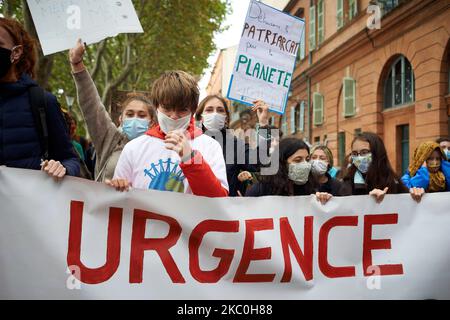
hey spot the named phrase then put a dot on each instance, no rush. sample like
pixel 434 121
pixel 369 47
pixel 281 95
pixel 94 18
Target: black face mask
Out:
pixel 5 62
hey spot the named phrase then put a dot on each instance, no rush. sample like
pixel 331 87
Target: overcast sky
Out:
pixel 229 38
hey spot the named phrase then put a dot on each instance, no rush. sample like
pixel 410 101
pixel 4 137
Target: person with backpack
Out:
pixel 33 134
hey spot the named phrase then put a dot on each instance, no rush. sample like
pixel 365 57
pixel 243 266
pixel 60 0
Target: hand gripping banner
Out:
pixel 81 240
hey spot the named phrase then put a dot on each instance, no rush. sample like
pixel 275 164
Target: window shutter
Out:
pixel 340 13
pixel 284 124
pixel 303 44
pixel 318 109
pixel 353 9
pixel 302 116
pixel 320 17
pixel 293 127
pixel 312 28
pixel 349 97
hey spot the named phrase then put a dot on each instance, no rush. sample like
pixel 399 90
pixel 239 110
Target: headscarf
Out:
pixel 422 153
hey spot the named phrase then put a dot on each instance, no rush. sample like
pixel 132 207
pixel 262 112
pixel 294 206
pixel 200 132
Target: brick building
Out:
pixel 350 78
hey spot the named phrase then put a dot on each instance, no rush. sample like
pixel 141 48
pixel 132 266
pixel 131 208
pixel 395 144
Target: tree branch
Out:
pixel 98 57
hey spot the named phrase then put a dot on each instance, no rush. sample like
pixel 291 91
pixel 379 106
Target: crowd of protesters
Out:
pixel 173 142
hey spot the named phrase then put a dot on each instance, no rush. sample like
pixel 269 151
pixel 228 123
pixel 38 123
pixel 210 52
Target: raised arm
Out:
pixel 101 128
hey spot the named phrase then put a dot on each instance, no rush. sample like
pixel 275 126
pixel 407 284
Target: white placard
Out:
pixel 166 245
pixel 266 57
pixel 60 22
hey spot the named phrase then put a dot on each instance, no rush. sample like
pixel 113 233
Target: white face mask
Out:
pixel 319 167
pixel 214 121
pixel 167 124
pixel 299 172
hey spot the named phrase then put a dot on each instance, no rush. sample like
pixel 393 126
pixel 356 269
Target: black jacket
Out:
pixel 19 140
pixel 240 158
pixel 262 189
pixel 332 186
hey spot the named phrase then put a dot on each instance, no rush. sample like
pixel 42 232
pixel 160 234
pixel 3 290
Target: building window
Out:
pixel 318 109
pixel 340 13
pixel 352 9
pixel 349 97
pixel 301 119
pixel 399 87
pixel 312 27
pixel 346 11
pixel 404 147
pixel 321 21
pixel 388 5
pixel 316 141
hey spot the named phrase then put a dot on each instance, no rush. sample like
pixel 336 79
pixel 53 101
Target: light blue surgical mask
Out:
pixel 447 153
pixel 135 127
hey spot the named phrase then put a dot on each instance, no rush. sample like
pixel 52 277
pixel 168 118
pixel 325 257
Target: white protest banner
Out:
pixel 162 245
pixel 266 57
pixel 60 22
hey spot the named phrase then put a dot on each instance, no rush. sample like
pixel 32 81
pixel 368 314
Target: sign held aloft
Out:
pixel 266 57
pixel 60 23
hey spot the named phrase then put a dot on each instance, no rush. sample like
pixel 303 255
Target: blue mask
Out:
pixel 448 154
pixel 135 127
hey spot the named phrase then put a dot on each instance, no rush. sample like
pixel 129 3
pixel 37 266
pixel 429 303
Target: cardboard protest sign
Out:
pixel 266 57
pixel 59 23
pixel 83 240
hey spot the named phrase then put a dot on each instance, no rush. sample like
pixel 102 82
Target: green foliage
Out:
pixel 178 34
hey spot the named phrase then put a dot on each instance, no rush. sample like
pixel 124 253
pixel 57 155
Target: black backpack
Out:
pixel 38 104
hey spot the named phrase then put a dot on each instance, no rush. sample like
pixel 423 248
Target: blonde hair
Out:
pixel 327 152
pixel 175 90
pixel 140 97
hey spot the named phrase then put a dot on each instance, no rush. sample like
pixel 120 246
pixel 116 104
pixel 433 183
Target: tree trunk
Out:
pixel 7 9
pixel 45 63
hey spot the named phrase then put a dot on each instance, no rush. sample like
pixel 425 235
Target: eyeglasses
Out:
pixel 362 153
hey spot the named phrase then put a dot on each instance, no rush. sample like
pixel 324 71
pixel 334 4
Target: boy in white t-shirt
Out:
pixel 173 155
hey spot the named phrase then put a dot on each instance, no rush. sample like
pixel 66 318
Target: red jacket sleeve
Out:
pixel 202 180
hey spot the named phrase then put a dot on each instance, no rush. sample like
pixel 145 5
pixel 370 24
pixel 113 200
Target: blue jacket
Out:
pixel 422 177
pixel 19 140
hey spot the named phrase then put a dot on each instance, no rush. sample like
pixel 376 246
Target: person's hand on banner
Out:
pixel 119 184
pixel 54 169
pixel 417 194
pixel 178 142
pixel 76 56
pixel 245 176
pixel 379 194
pixel 262 111
pixel 323 197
